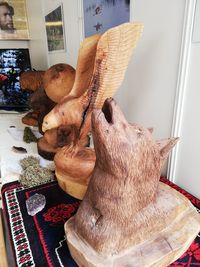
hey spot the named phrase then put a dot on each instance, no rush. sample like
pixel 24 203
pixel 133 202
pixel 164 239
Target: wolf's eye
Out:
pixel 139 132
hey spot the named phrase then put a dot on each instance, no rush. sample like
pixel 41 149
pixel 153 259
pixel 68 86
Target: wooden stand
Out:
pixel 74 166
pixel 159 249
pixel 71 187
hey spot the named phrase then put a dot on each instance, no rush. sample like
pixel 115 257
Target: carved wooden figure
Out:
pixel 32 81
pixel 128 218
pixel 98 76
pixel 58 81
pixel 112 52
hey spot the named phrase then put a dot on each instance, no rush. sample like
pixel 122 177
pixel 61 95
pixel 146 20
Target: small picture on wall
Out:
pixel 13 20
pixel 100 15
pixel 55 30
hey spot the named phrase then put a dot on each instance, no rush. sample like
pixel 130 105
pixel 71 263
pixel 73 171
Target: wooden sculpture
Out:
pixel 57 82
pixel 113 52
pixel 31 81
pixel 109 58
pixel 67 134
pixel 39 102
pixel 127 217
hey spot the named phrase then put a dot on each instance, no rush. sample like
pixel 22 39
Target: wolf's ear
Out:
pixel 150 129
pixel 165 146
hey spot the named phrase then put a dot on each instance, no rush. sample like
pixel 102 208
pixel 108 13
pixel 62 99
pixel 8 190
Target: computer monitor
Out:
pixel 12 63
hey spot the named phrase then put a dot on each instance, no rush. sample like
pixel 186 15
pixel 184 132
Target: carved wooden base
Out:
pixel 70 186
pixel 161 249
pixel 73 169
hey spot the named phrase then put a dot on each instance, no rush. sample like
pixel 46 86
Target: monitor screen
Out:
pixel 12 63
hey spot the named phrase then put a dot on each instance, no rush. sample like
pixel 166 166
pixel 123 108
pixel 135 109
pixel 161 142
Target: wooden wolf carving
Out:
pixel 125 179
pixel 124 205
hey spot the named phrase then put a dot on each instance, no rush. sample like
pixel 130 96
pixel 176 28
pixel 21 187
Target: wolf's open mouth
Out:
pixel 108 110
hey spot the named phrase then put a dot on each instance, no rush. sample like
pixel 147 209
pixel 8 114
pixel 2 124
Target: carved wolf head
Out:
pixel 128 150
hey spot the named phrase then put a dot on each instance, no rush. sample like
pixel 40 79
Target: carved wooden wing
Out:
pixel 85 65
pixel 114 51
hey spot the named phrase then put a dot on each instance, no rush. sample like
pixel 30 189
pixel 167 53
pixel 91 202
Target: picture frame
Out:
pixel 20 29
pixel 54 22
pixel 101 15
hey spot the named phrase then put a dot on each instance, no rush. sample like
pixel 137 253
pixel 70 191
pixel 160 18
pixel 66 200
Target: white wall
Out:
pixel 148 91
pixel 184 162
pixel 38 42
pixel 147 94
pixel 13 44
pixel 71 10
pixel 186 173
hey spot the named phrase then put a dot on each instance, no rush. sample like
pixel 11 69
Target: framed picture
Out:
pixel 55 29
pixel 100 15
pixel 13 20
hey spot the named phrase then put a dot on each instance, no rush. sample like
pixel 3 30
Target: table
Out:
pixel 40 240
pixel 10 168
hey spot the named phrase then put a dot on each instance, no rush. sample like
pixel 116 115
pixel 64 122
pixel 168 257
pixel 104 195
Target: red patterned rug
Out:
pixel 40 240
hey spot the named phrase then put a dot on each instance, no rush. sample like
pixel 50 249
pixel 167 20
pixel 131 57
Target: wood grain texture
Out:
pixel 113 52
pixel 31 80
pixel 41 103
pixel 101 67
pixel 46 150
pixel 124 181
pixel 85 65
pixel 127 217
pixel 155 250
pixel 58 81
pixel 73 173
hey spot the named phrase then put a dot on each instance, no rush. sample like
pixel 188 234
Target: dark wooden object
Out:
pixel 31 80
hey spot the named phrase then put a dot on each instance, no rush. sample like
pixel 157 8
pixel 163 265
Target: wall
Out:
pixel 71 12
pixel 184 161
pixel 148 91
pixel 13 44
pixel 38 42
pixel 186 173
pixel 147 94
